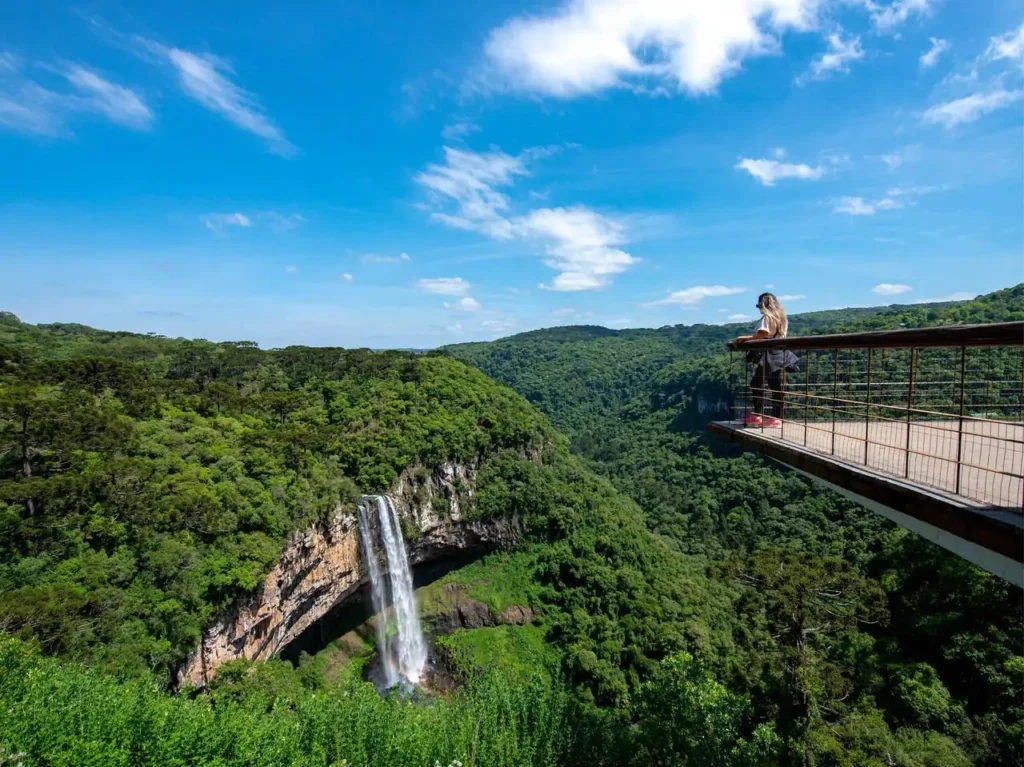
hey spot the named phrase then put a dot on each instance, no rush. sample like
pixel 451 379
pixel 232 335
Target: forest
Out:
pixel 695 605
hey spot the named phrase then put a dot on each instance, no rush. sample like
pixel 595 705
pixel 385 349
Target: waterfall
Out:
pixel 379 598
pixel 403 653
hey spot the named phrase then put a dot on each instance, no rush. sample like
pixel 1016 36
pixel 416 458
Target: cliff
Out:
pixel 321 567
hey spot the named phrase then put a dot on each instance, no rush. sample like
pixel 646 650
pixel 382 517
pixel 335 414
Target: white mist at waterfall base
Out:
pixel 402 649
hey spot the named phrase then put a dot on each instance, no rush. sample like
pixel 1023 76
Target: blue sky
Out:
pixel 413 174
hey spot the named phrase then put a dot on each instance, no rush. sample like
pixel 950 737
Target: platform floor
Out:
pixel 991 453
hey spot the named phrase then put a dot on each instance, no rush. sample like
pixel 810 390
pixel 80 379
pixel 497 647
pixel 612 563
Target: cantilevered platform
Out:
pixel 990 537
pixel 923 426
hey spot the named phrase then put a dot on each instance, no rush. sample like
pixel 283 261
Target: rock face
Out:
pixel 321 567
pixel 464 612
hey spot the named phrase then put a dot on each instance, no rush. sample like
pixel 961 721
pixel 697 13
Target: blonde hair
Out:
pixel 770 307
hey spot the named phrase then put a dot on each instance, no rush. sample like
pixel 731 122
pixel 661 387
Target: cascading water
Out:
pixel 403 653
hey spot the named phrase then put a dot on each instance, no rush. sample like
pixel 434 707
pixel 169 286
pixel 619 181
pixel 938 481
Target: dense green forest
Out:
pixel 703 606
pixel 925 625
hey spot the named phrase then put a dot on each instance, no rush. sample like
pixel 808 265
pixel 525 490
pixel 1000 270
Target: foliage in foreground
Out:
pixel 66 715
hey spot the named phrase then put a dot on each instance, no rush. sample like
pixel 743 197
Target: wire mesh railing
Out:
pixel 941 407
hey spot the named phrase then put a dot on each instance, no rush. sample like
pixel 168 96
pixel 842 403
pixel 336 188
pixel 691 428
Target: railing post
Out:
pixel 910 404
pixel 835 397
pixel 867 411
pixel 960 430
pixel 807 390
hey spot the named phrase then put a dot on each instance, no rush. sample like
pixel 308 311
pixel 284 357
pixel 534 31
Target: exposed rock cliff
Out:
pixel 321 567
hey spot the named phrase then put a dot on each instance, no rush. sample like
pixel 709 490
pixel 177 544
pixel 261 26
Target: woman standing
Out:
pixel 770 365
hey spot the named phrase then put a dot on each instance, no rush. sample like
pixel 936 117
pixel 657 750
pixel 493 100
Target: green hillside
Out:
pixel 694 606
pixel 626 399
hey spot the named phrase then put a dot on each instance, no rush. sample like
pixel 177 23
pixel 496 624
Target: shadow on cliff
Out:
pixel 355 613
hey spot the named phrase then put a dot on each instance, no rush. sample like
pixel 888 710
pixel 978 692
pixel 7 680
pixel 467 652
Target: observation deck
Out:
pixel 923 426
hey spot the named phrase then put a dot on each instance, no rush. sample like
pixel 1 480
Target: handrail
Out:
pixel 994 334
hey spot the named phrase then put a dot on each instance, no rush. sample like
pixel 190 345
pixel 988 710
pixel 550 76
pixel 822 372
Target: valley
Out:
pixel 597 579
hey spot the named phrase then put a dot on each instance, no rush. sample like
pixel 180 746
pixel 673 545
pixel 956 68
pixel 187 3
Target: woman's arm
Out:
pixel 761 333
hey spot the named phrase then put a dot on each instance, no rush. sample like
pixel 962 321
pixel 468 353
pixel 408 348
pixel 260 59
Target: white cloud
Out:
pixel 121 105
pixel 836 59
pixel 693 296
pixel 779 152
pixel 506 323
pixel 960 295
pixel 1007 46
pixel 563 311
pixel 291 269
pixel 970 108
pixel 581 244
pixel 280 222
pixel 770 171
pixel 455 327
pixel 207 79
pixel 219 222
pixel 858 206
pixel 917 191
pixel 464 304
pixel 347 277
pixel 27 107
pixel 892 161
pixel 376 258
pixel 931 57
pixel 469 179
pixel 890 289
pixel 586 46
pixel 887 18
pixel 796 297
pixel 459 130
pixel 445 286
pixel 739 317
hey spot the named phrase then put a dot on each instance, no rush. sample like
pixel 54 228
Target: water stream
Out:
pixel 400 643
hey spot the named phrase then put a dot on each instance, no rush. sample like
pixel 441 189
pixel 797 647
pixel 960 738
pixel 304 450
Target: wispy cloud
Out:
pixel 121 105
pixel 28 107
pixel 279 222
pixel 970 108
pixel 445 286
pixel 207 79
pixel 892 161
pixel 472 180
pixel 770 171
pixel 917 191
pixel 931 57
pixel 584 246
pixel 220 222
pixel 458 130
pixel 858 206
pixel 960 295
pixel 376 258
pixel 581 244
pixel 586 47
pixel 835 60
pixel 795 297
pixel 346 277
pixel 890 289
pixel 739 317
pixel 887 18
pixel 1007 46
pixel 691 297
pixel 464 304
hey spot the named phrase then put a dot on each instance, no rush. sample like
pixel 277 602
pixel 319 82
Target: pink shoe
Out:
pixel 752 420
pixel 772 423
